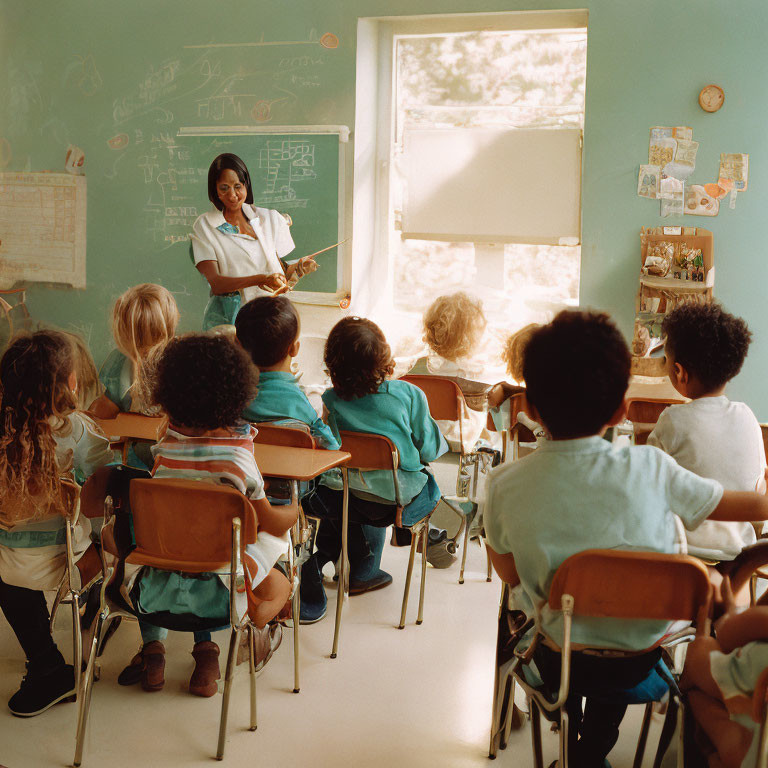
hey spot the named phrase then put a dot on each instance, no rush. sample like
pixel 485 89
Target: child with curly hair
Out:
pixel 363 399
pixel 203 382
pixel 43 438
pixel 711 435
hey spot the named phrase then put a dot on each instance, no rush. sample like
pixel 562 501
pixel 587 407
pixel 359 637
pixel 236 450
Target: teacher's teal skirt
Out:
pixel 221 310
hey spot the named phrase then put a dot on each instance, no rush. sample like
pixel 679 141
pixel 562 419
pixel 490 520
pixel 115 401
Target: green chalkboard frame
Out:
pixel 318 220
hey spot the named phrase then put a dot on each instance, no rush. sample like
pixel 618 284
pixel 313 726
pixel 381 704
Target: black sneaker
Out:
pixel 39 692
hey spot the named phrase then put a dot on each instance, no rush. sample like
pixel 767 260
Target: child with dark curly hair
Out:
pixel 363 399
pixel 203 382
pixel 711 435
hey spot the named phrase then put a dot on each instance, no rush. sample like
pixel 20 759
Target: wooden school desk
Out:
pixel 304 464
pixel 127 428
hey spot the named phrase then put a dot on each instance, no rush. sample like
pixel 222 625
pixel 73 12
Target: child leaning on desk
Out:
pixel 203 382
pixel 578 492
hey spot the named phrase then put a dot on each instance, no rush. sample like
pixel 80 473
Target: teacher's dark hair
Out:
pixel 227 162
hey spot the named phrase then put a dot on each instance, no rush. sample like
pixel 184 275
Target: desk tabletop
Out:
pixel 296 463
pixel 133 426
pixel 648 388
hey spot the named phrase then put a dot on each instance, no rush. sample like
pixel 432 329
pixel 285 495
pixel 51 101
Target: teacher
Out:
pixel 239 248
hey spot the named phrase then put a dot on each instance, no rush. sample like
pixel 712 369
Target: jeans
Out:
pixel 149 633
pixel 603 682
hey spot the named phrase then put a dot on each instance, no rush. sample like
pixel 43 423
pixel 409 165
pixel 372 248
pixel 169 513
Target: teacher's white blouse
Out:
pixel 240 255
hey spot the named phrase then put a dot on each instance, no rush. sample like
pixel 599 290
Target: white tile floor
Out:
pixel 417 697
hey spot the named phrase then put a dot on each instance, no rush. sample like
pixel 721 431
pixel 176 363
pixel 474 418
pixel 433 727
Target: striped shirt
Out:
pixel 224 456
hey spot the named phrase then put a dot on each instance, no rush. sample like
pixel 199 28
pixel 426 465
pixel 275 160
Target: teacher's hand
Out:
pixel 307 265
pixel 276 283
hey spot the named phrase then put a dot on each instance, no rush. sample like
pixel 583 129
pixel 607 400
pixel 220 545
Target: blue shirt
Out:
pixel 116 375
pixel 572 495
pixel 281 400
pixel 399 411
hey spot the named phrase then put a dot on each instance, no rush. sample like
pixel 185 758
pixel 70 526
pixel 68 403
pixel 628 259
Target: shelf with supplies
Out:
pixel 676 266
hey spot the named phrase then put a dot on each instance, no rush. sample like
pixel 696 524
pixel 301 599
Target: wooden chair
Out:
pixel 760 709
pixel 376 452
pixel 624 585
pixel 190 526
pixel 293 436
pixel 129 428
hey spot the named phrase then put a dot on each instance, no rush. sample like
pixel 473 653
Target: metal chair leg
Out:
pixel 234 640
pixel 505 713
pixel 424 541
pixel 464 553
pixel 408 574
pixel 643 740
pixel 77 643
pixel 493 747
pixel 564 728
pixel 57 602
pixel 489 577
pixel 681 735
pixel 538 759
pixel 296 612
pixel 252 670
pixel 343 574
pixel 84 699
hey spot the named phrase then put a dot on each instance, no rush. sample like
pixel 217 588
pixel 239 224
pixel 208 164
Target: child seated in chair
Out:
pixel 268 329
pixel 203 382
pixel 721 678
pixel 578 492
pixel 711 435
pixel 362 399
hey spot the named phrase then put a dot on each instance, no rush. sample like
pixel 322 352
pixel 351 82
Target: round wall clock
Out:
pixel 711 98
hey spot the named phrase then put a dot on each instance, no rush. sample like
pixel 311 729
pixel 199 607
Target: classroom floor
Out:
pixel 417 697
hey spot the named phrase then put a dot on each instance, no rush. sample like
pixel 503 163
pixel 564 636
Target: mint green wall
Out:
pixel 646 63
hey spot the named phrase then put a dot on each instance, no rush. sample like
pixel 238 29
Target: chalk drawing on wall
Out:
pixel 83 71
pixel 42 218
pixel 287 163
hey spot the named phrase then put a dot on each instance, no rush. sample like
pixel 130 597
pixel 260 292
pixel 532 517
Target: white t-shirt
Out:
pixel 572 495
pixel 240 255
pixel 715 438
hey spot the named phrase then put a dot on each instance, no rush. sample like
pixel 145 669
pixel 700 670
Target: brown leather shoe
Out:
pixel 207 672
pixel 153 666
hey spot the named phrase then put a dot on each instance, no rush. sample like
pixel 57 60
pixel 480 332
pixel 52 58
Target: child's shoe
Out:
pixel 41 689
pixel 376 580
pixel 153 666
pixel 207 672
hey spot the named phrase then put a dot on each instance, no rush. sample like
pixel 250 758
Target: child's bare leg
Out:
pixel 268 598
pixel 730 739
pixel 697 672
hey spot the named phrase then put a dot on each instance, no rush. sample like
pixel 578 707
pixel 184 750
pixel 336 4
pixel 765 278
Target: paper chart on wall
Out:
pixel 734 168
pixel 648 181
pixel 42 228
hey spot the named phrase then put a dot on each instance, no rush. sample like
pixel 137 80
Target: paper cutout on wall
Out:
pixel 699 203
pixel 670 188
pixel 734 168
pixel 661 150
pixel 648 181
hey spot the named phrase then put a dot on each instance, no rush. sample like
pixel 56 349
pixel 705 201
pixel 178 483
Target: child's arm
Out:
pixel 741 507
pixel 504 565
pixel 275 520
pixel 426 434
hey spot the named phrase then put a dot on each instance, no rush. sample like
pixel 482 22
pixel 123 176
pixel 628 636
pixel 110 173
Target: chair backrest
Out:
pixel 632 585
pixel 764 430
pixel 186 525
pixel 293 436
pixel 369 451
pixel 443 395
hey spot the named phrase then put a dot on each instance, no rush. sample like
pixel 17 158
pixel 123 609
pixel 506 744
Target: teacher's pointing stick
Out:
pixel 309 256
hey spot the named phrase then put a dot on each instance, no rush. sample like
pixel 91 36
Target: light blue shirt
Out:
pixel 281 400
pixel 399 411
pixel 116 375
pixel 572 495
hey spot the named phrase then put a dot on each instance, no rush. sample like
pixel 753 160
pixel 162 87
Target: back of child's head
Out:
pixel 204 381
pixel 35 373
pixel 267 328
pixel 576 371
pixel 453 325
pixel 707 341
pixel 144 318
pixel 357 357
pixel 514 351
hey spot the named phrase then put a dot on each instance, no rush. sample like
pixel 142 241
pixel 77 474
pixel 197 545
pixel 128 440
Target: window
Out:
pixel 472 100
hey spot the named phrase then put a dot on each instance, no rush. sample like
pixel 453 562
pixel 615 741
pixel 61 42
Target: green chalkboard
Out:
pixel 297 174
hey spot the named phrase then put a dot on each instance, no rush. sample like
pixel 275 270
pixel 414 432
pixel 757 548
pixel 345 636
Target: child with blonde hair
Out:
pixel 144 319
pixel 43 438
